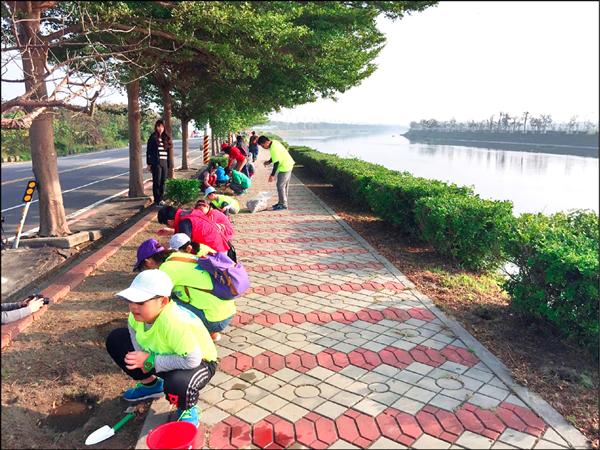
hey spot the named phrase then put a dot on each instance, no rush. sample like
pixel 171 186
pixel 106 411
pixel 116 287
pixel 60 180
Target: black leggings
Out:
pixel 159 175
pixel 182 387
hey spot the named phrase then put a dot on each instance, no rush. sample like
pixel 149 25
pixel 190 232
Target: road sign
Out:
pixel 27 196
pixel 29 190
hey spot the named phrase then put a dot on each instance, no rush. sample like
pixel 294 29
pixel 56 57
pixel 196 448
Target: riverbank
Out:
pixel 578 144
pixel 538 358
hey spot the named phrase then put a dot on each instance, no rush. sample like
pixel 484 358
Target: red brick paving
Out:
pixel 268 319
pixel 399 426
pixel 325 287
pixel 273 432
pixel 231 433
pixel 293 239
pixel 357 428
pixel 315 251
pixel 302 361
pixel 303 267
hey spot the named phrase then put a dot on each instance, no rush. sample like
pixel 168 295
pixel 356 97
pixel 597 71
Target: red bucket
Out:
pixel 172 435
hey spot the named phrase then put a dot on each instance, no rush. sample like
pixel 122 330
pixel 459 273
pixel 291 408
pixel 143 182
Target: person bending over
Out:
pixel 227 205
pixel 191 286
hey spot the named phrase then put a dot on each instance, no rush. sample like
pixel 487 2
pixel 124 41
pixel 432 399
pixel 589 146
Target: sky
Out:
pixel 469 60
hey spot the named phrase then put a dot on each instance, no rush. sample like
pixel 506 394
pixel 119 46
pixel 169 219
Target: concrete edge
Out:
pixel 159 413
pixel 541 407
pixel 75 276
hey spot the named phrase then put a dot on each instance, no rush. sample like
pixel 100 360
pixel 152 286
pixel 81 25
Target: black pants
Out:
pixel 159 175
pixel 182 387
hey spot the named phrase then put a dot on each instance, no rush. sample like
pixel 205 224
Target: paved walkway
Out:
pixel 333 348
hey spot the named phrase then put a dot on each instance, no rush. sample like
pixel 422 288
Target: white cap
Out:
pixel 178 240
pixel 209 190
pixel 148 284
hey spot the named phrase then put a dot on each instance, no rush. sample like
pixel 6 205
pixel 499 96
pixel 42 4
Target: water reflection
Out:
pixel 533 181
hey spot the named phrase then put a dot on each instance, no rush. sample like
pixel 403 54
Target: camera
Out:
pixel 39 296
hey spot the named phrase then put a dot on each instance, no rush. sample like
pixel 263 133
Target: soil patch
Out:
pixel 58 382
pixel 562 374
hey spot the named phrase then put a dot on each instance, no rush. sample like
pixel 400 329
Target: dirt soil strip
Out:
pixel 73 277
pixel 58 382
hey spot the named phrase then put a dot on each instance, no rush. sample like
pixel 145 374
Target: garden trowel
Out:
pixel 106 432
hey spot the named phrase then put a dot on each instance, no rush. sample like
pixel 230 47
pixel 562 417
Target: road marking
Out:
pixel 93 205
pixel 73 189
pixel 70 170
pixel 80 211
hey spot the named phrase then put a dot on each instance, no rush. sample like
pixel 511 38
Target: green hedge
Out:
pixel 466 228
pixel 182 191
pixel 407 202
pixel 220 160
pixel 557 258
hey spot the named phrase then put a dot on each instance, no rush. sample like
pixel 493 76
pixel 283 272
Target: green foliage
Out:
pixel 182 191
pixel 79 133
pixel 465 228
pixel 557 258
pixel 455 221
pixel 220 160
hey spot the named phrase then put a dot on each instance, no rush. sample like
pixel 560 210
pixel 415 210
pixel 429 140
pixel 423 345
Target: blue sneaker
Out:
pixel 191 415
pixel 279 207
pixel 143 392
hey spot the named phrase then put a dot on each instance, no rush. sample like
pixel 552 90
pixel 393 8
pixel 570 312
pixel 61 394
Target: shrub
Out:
pixel 221 160
pixel 557 258
pixel 182 191
pixel 467 229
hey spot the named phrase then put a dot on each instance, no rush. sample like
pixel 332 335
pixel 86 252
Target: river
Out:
pixel 534 182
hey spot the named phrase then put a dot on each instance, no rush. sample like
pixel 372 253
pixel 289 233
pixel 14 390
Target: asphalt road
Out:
pixel 85 180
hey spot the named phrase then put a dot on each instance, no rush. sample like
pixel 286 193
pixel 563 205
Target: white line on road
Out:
pixel 73 189
pixel 70 170
pixel 87 208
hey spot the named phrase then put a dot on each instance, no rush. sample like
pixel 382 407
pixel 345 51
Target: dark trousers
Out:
pixel 159 175
pixel 182 387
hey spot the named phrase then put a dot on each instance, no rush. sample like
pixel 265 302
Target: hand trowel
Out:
pixel 106 432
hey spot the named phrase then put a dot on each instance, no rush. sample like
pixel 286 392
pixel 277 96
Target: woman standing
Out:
pixel 157 157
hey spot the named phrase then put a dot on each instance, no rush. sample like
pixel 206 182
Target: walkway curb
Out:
pixel 541 407
pixel 68 281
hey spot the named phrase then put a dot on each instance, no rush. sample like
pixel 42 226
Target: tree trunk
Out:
pixel 168 108
pixel 136 180
pixel 184 143
pixel 41 135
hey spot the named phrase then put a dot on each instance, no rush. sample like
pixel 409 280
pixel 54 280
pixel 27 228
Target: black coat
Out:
pixel 152 157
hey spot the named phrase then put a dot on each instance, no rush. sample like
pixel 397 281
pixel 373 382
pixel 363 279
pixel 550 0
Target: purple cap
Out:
pixel 146 250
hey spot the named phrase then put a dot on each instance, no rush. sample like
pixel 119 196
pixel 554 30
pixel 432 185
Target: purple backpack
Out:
pixel 230 279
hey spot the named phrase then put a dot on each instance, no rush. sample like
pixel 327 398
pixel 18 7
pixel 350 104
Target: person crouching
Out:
pixel 165 347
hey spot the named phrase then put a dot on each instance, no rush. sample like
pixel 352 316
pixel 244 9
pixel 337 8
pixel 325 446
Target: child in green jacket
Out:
pixel 165 347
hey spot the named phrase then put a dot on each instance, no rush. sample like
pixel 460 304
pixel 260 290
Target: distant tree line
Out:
pixel 506 123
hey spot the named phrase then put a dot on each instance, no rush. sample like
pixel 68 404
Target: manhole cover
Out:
pixel 307 391
pixel 296 337
pixel 234 394
pixel 378 387
pixel 238 339
pixel 449 383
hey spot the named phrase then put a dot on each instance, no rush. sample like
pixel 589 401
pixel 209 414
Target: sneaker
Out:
pixel 215 336
pixel 191 415
pixel 143 392
pixel 279 207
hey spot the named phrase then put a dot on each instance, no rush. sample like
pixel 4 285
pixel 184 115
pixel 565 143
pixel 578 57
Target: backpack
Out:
pixel 230 280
